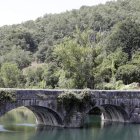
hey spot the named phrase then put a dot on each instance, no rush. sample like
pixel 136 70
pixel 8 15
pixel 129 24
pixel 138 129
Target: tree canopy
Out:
pixel 92 47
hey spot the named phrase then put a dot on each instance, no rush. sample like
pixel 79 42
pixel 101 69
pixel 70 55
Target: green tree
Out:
pixel 50 76
pixel 105 72
pixel 128 74
pixel 136 59
pixel 20 57
pixel 77 62
pixel 125 35
pixel 11 75
pixel 34 77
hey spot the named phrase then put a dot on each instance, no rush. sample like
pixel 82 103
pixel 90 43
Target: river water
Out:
pixel 20 125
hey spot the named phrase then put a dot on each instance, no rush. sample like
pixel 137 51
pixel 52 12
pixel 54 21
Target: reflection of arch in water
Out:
pixel 110 113
pixel 113 131
pixel 44 115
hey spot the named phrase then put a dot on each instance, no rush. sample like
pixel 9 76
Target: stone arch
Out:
pixel 44 115
pixel 110 113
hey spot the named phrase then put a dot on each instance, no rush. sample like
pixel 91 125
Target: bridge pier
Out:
pixel 135 115
pixel 74 119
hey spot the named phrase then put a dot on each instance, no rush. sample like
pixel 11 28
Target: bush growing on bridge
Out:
pixel 7 96
pixel 71 99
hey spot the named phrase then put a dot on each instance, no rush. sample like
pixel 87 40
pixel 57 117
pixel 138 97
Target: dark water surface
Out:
pixel 20 125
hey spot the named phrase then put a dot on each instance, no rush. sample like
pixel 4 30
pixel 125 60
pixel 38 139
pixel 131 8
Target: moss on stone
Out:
pixel 7 96
pixel 70 99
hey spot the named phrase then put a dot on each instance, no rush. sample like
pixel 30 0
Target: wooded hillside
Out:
pixel 94 47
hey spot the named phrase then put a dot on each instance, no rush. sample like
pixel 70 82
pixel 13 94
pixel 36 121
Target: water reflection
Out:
pixel 93 130
pixel 108 132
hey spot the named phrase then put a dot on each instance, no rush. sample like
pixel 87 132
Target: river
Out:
pixel 20 125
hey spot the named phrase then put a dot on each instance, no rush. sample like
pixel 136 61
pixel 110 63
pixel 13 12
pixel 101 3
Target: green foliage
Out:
pixel 136 59
pixel 128 73
pixel 106 71
pixel 34 77
pixel 11 75
pixel 41 76
pixel 87 48
pixel 71 99
pixel 131 86
pixel 113 86
pixel 7 96
pixel 76 61
pixel 126 35
pixel 18 56
pixel 50 76
pixel 68 99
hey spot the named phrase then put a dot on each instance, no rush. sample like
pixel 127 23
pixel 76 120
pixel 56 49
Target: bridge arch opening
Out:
pixel 46 116
pixel 109 112
pixel 20 115
pixel 114 113
pixel 42 115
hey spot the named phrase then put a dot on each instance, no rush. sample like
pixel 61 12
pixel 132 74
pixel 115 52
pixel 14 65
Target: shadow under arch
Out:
pixel 109 112
pixel 44 115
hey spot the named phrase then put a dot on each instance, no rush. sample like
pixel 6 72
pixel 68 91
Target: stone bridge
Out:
pixel 122 106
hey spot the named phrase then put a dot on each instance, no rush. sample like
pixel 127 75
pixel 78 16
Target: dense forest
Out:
pixel 95 47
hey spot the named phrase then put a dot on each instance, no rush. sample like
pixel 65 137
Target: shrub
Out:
pixel 7 96
pixel 71 99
